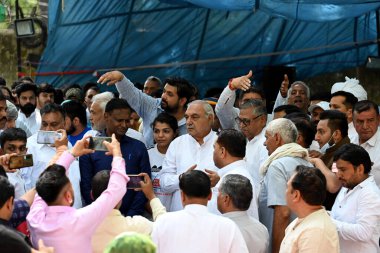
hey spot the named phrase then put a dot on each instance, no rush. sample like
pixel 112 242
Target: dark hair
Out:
pixel 2 81
pixel 336 121
pixel 239 188
pixel 90 86
pixel 195 183
pixel 168 119
pixel 349 99
pixel 15 84
pixel 355 155
pixel 287 108
pixel 297 115
pixel 323 96
pixel 26 79
pixel 74 109
pixel 7 190
pixel 252 89
pixel 45 87
pixel 100 183
pixel 51 182
pixel 23 87
pixel 12 134
pixel 213 92
pixel 50 108
pixel 10 98
pixel 184 88
pixel 366 105
pixel 2 97
pixel 311 184
pixel 154 79
pixel 58 96
pixel 117 103
pixel 233 141
pixel 306 129
pixel 2 172
pixel 157 93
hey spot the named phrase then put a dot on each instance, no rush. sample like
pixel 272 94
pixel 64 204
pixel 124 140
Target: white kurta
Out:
pixel 42 154
pixel 32 123
pixel 183 153
pixel 239 168
pixel 194 230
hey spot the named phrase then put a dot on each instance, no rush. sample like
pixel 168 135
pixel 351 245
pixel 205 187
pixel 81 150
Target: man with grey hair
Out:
pixel 12 115
pixel 234 198
pixel 98 123
pixel 252 120
pixel 298 94
pixel 191 150
pixel 284 156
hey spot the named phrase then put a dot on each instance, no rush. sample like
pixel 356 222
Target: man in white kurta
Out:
pixel 229 151
pixel 234 198
pixel 194 148
pixel 52 120
pixel 194 229
pixel 356 211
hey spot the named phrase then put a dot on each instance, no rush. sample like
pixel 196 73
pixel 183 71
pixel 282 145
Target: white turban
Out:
pixel 351 85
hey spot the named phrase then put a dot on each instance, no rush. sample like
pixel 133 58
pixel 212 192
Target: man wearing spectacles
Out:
pixel 251 121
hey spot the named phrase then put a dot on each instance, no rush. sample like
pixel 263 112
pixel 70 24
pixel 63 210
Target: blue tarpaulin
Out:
pixel 205 41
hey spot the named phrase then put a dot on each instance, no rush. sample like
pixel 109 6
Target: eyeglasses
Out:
pixel 245 122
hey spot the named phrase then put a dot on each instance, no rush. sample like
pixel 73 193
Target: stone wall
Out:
pixel 8 56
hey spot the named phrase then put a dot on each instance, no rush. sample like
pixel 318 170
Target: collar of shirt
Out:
pixel 4 222
pixel 196 208
pixel 223 171
pixel 363 184
pixel 257 137
pixel 206 139
pixel 60 209
pixel 20 113
pixel 372 142
pixel 235 214
pixel 181 122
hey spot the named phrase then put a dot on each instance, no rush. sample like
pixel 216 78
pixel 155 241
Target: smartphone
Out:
pixel 96 143
pixel 47 137
pixel 20 161
pixel 134 181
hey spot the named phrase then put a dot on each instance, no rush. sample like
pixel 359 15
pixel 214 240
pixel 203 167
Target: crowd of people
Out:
pixel 221 174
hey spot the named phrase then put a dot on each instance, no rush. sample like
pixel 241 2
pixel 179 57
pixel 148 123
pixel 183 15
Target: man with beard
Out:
pixel 174 99
pixel 45 95
pixel 116 116
pixel 26 95
pixel 76 121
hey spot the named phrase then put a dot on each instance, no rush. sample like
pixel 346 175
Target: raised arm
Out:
pixel 142 103
pixel 224 108
pixel 333 183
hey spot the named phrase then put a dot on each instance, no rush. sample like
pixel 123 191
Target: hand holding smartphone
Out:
pixel 134 181
pixel 47 137
pixel 20 161
pixel 96 143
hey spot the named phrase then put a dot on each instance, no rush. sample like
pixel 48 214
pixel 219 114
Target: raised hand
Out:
pixel 82 147
pixel 214 177
pixel 111 78
pixel 113 147
pixel 284 86
pixel 146 187
pixel 242 82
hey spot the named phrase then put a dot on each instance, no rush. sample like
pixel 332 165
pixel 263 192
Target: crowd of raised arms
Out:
pixel 153 168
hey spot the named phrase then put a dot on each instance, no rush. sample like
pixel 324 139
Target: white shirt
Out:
pixel 255 155
pixel 155 160
pixel 183 153
pixel 239 168
pixel 42 154
pixel 254 233
pixel 352 134
pixel 18 182
pixel 356 214
pixel 372 146
pixel 194 230
pixel 130 133
pixel 32 123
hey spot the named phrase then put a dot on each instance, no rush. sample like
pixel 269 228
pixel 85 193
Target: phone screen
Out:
pixel 96 143
pixel 20 161
pixel 134 181
pixel 47 137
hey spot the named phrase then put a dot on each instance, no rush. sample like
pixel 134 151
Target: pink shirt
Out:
pixel 68 229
